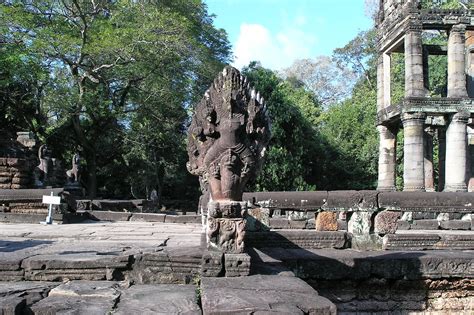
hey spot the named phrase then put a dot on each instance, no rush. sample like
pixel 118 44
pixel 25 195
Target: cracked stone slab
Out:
pixel 261 294
pixel 79 297
pixel 158 299
pixel 14 296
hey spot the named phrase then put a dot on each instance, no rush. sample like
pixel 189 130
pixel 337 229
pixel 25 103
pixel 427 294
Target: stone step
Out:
pixel 96 297
pixel 262 294
pixel 423 240
pixel 308 239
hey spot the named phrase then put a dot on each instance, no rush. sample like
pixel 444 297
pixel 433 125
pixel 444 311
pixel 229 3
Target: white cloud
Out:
pixel 274 51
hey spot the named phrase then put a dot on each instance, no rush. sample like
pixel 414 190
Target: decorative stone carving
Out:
pixel 42 171
pixel 227 139
pixel 228 135
pixel 73 174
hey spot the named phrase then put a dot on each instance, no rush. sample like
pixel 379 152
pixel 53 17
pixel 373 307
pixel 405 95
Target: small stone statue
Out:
pixel 73 174
pixel 43 170
pixel 227 139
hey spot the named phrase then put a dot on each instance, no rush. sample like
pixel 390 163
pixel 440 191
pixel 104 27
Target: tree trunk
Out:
pixel 92 178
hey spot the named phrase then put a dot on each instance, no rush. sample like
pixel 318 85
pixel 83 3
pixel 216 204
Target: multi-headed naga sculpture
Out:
pixel 227 139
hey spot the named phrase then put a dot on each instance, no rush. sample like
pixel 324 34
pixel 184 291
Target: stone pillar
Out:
pixel 387 93
pixel 426 70
pixel 414 86
pixel 470 63
pixel 380 79
pixel 413 168
pixel 470 159
pixel 441 157
pixel 225 230
pixel 428 161
pixel 456 62
pixel 387 158
pixel 456 153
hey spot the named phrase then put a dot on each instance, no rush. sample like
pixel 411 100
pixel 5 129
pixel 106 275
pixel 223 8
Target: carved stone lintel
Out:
pixel 226 235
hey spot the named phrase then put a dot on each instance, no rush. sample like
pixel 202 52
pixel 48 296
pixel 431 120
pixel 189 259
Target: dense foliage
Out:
pixel 117 80
pixel 113 78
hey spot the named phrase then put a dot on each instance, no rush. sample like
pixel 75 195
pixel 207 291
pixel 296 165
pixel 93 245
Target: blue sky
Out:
pixel 277 32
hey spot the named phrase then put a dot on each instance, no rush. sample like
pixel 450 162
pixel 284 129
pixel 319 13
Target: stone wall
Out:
pixel 15 173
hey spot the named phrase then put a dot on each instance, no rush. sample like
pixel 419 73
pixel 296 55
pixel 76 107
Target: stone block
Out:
pixel 366 242
pixel 410 241
pixel 308 239
pixel 403 225
pixel 109 215
pixel 424 225
pixel 258 219
pixel 212 264
pixel 423 215
pixel 352 200
pixel 262 294
pixel 385 222
pixel 260 214
pixel 279 223
pixel 226 235
pixel 455 225
pixel 288 200
pixel 360 222
pixel 311 224
pixel 237 265
pixel 297 224
pixel 148 217
pixel 456 242
pixel 158 299
pixel 194 218
pixel 427 201
pixel 326 221
pixel 341 225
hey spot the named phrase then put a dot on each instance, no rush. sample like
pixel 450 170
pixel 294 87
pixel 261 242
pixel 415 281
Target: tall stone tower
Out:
pixel 401 24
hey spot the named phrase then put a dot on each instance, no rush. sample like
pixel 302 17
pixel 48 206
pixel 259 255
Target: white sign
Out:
pixel 52 200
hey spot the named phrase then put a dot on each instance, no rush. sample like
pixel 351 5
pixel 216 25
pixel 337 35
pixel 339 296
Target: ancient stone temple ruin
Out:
pixel 402 26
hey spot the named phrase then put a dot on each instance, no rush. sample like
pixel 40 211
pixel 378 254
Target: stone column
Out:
pixel 380 78
pixel 441 157
pixel 456 153
pixel 387 93
pixel 428 161
pixel 456 62
pixel 470 159
pixel 470 63
pixel 387 158
pixel 426 70
pixel 413 168
pixel 414 86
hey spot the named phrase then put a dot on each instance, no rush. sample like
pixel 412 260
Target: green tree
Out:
pixel 113 68
pixel 293 111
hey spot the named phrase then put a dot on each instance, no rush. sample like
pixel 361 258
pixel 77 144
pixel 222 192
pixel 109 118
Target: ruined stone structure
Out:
pixel 16 159
pixel 227 139
pixel 401 25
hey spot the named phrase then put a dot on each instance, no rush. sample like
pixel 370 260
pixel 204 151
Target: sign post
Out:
pixel 51 200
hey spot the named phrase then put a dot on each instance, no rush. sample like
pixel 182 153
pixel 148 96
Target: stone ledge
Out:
pixel 327 264
pixel 297 239
pixel 261 294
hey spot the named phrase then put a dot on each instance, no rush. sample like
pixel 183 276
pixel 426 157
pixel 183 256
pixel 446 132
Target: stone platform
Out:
pixel 133 266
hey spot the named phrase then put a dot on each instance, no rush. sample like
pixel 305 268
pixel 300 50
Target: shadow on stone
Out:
pixel 12 246
pixel 372 281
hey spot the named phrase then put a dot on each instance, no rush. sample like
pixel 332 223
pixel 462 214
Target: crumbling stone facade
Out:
pixel 16 160
pixel 401 24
